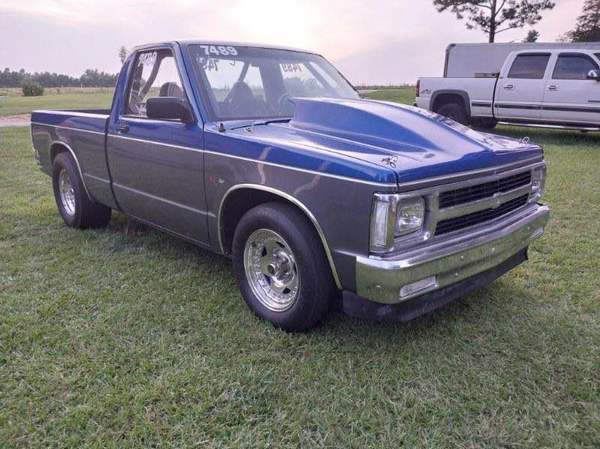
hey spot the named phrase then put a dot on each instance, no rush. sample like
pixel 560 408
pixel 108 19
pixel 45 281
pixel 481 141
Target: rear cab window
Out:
pixel 529 66
pixel 573 66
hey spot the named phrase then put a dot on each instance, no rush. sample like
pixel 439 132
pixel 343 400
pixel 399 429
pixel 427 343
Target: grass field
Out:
pixel 12 103
pixel 405 94
pixel 115 342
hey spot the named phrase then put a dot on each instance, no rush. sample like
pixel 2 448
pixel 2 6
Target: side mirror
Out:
pixel 169 108
pixel 593 75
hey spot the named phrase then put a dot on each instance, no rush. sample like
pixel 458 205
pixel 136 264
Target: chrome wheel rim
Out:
pixel 67 193
pixel 271 270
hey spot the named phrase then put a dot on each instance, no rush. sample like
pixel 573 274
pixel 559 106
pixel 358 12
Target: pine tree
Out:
pixel 587 28
pixel 532 36
pixel 122 54
pixel 496 16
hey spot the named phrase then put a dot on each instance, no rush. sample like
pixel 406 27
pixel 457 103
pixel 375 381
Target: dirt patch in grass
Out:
pixel 15 120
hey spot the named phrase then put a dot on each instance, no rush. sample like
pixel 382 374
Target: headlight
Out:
pixel 410 214
pixel 394 216
pixel 538 181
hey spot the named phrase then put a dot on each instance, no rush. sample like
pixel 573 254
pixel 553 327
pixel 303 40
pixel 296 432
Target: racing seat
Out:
pixel 170 90
pixel 240 100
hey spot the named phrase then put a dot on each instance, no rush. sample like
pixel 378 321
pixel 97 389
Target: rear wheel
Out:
pixel 281 267
pixel 74 205
pixel 455 111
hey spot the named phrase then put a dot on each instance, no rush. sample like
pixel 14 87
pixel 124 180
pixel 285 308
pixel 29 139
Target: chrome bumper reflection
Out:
pixel 447 262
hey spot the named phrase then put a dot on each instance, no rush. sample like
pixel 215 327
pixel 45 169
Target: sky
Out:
pixel 376 42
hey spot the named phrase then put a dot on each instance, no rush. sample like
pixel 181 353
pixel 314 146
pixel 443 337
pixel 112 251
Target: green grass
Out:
pixel 405 94
pixel 108 341
pixel 11 103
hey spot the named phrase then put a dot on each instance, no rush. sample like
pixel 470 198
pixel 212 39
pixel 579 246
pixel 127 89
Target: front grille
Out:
pixel 454 224
pixel 486 190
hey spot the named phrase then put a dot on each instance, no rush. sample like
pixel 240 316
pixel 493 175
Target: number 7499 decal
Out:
pixel 219 50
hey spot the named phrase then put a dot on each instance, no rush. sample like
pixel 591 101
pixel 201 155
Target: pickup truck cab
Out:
pixel 542 87
pixel 268 156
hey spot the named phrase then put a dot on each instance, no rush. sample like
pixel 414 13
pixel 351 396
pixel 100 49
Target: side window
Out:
pixel 154 75
pixel 529 66
pixel 573 67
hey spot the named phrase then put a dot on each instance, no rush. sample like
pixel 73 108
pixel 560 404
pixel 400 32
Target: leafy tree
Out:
pixel 532 36
pixel 122 54
pixel 95 78
pixel 496 16
pixel 587 28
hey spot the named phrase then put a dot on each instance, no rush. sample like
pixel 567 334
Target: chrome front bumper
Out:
pixel 450 261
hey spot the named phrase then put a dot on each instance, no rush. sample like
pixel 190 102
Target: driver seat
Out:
pixel 242 100
pixel 170 90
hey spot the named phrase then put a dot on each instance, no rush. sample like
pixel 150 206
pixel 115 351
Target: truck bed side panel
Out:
pixel 480 92
pixel 83 134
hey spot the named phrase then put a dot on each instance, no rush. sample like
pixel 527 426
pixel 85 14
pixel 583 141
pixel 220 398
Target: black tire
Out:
pixel 86 213
pixel 316 286
pixel 485 123
pixel 455 111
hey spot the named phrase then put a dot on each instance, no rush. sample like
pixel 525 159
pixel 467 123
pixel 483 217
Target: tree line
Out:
pixel 90 78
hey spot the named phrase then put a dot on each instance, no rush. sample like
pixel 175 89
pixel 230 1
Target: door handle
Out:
pixel 123 128
pixel 509 86
pixel 553 87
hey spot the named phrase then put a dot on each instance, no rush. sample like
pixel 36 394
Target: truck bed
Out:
pixel 83 134
pixel 481 92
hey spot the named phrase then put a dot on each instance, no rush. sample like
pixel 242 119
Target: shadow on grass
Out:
pixel 467 315
pixel 165 245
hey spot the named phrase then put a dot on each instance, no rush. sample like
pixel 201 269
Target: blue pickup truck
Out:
pixel 322 199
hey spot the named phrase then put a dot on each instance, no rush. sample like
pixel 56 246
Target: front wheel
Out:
pixel 74 205
pixel 281 267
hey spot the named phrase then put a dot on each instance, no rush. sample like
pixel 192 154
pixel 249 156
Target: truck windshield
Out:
pixel 260 83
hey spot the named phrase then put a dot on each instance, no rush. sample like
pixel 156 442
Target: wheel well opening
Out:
pixel 55 149
pixel 443 99
pixel 242 200
pixel 237 204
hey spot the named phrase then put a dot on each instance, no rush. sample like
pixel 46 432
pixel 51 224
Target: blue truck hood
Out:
pixel 415 143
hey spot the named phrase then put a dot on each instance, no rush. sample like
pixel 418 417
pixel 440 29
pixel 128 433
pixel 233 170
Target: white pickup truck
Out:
pixel 550 87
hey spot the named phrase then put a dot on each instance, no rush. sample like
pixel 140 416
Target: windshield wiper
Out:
pixel 263 122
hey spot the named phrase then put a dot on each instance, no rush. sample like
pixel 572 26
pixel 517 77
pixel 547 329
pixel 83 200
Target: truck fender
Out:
pixel 290 199
pixel 460 93
pixel 55 148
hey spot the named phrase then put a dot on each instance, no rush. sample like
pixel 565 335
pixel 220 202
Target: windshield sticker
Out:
pixel 208 64
pixel 291 67
pixel 219 50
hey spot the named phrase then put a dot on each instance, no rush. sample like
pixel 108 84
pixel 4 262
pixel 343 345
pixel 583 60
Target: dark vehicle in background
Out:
pixel 268 155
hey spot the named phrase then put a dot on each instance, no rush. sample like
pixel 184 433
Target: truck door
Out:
pixel 570 97
pixel 520 93
pixel 157 165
